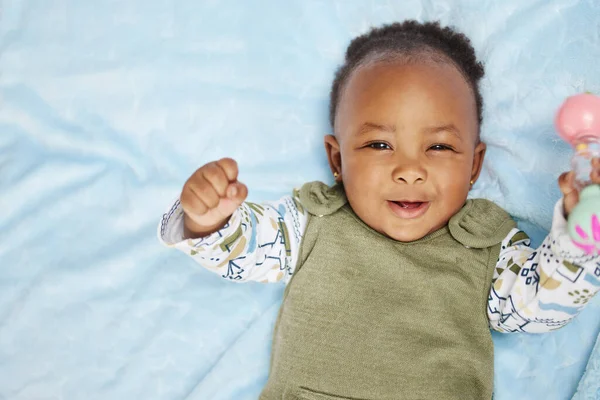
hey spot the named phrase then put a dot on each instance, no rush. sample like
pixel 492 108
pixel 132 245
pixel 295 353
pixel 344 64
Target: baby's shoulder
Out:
pixel 481 223
pixel 320 199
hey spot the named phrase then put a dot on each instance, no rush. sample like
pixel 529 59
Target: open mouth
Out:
pixel 408 209
pixel 411 205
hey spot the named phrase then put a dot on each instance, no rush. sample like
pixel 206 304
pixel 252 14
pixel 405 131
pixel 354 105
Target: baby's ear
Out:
pixel 478 157
pixel 332 148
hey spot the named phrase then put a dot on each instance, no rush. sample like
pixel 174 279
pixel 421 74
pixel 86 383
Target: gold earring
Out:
pixel 335 175
pixel 472 182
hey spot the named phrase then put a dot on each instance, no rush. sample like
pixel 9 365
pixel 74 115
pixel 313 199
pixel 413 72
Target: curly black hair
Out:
pixel 410 39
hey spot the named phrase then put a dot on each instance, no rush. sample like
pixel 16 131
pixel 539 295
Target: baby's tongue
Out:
pixel 409 204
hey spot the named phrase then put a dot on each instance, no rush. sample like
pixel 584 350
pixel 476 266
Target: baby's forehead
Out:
pixel 388 91
pixel 439 82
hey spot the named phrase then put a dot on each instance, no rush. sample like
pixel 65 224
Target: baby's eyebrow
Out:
pixel 370 126
pixel 444 128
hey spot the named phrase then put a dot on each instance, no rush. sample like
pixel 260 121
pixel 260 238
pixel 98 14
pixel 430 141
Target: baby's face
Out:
pixel 406 146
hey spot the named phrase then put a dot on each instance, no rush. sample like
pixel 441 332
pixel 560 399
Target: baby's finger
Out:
pixel 237 192
pixel 217 177
pixel 191 203
pixel 566 183
pixel 595 175
pixel 230 168
pixel 205 192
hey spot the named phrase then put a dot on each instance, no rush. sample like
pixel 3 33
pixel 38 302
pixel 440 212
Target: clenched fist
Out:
pixel 210 196
pixel 566 182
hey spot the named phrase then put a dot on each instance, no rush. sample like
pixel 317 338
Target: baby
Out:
pixel 394 278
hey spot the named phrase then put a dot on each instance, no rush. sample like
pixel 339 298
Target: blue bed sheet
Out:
pixel 107 106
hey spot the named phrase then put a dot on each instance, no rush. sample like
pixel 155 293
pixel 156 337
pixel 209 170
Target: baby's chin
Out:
pixel 412 234
pixel 407 237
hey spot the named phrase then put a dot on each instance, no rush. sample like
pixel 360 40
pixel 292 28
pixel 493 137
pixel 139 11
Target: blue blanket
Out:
pixel 589 386
pixel 107 106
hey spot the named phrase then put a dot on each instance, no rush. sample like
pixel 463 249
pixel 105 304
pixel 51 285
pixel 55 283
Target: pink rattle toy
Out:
pixel 578 123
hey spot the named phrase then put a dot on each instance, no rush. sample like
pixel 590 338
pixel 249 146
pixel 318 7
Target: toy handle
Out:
pixel 586 149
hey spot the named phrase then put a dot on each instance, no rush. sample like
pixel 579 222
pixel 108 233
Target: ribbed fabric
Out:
pixel 367 317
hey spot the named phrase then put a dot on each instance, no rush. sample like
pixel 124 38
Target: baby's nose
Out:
pixel 410 173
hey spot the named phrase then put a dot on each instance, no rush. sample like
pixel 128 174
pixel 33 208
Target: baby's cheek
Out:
pixel 454 181
pixel 453 195
pixel 359 179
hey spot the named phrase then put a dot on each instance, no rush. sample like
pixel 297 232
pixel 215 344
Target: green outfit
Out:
pixel 360 319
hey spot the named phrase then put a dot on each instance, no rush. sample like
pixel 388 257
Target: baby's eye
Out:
pixel 440 147
pixel 379 146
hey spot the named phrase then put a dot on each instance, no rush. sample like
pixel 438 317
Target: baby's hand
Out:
pixel 567 186
pixel 210 196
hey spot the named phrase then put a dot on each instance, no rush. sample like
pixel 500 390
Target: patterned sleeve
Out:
pixel 543 289
pixel 259 243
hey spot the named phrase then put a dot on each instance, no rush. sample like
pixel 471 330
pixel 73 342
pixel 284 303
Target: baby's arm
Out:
pixel 543 289
pixel 255 242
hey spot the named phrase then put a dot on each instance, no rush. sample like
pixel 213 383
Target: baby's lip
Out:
pixel 410 201
pixel 408 209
